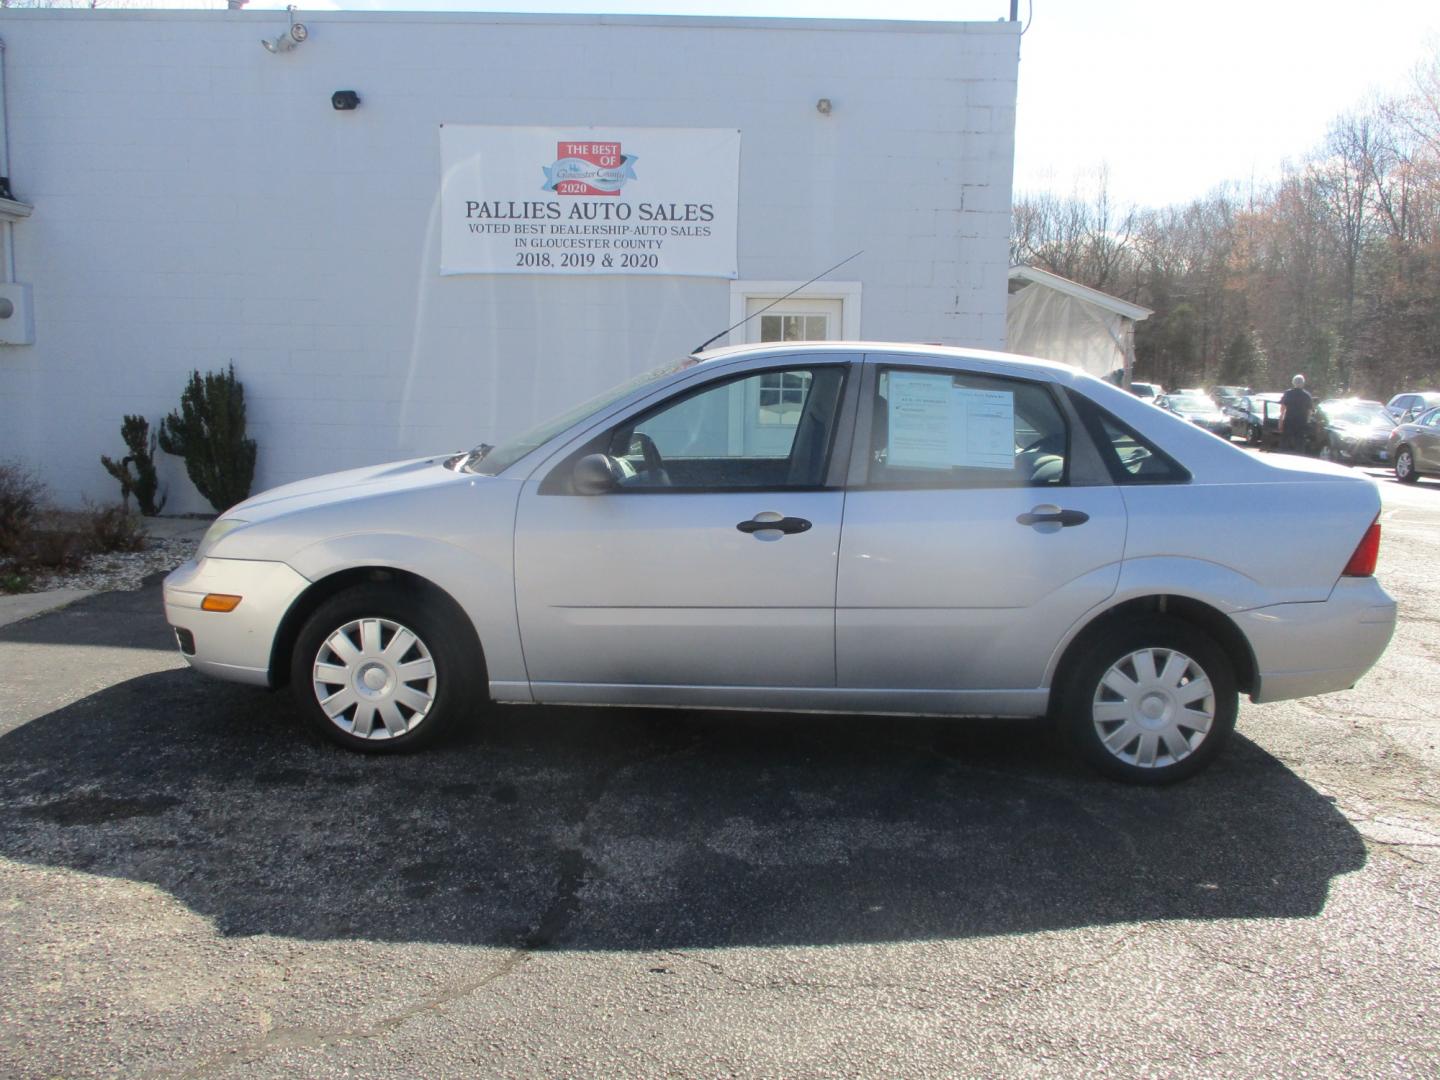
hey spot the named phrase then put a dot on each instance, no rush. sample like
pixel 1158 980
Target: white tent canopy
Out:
pixel 1058 319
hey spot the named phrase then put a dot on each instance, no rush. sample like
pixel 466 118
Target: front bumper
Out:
pixel 236 644
pixel 1368 451
pixel 1304 649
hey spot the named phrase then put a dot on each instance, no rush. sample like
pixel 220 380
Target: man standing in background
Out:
pixel 1295 406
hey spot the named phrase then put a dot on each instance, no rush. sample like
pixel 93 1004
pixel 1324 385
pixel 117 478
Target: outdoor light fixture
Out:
pixel 290 39
pixel 344 100
pixel 823 106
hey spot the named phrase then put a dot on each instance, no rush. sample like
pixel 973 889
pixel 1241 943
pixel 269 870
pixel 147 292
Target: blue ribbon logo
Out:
pixel 587 172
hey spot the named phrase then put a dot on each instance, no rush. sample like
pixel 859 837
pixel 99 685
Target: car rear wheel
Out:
pixel 1150 703
pixel 1405 466
pixel 380 668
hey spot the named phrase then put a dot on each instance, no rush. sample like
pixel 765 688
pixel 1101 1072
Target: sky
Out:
pixel 1172 98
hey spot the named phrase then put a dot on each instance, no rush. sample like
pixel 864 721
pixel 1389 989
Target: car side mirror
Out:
pixel 594 475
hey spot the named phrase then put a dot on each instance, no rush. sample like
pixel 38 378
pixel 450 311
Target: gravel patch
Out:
pixel 120 570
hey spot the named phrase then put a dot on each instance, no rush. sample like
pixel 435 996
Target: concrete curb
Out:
pixel 27 605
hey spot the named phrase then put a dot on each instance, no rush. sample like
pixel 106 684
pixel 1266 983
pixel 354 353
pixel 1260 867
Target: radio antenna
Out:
pixel 772 303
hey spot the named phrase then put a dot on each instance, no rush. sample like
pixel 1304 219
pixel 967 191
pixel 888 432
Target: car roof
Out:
pixel 1032 365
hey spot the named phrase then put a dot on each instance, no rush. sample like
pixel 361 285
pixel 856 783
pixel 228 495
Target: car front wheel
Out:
pixel 380 668
pixel 1150 703
pixel 1405 466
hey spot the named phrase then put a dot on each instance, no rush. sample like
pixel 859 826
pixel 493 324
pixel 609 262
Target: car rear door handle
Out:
pixel 773 522
pixel 1053 515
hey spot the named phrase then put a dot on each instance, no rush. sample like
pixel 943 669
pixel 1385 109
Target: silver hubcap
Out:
pixel 1402 464
pixel 375 679
pixel 1153 708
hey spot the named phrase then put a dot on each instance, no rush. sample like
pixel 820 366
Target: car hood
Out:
pixel 344 486
pixel 1357 430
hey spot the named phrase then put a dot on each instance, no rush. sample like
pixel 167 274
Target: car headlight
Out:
pixel 222 527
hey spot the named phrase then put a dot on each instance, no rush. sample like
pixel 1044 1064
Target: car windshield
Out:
pixel 1191 403
pixel 499 458
pixel 1351 413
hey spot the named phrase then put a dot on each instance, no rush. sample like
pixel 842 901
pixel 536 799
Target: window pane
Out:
pixel 765 430
pixel 781 406
pixel 938 429
pixel 770 327
pixel 1129 457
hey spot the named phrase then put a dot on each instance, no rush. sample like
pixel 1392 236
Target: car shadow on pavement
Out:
pixel 121 619
pixel 632 829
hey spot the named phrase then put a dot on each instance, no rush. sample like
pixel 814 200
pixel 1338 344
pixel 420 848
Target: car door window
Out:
pixel 770 429
pixel 938 429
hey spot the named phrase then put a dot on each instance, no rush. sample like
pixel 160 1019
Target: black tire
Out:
pixel 1405 466
pixel 1083 691
pixel 385 609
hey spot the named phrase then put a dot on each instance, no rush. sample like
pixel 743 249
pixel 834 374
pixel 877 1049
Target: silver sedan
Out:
pixel 1415 447
pixel 816 527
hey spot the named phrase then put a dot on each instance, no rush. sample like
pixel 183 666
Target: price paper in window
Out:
pixel 935 424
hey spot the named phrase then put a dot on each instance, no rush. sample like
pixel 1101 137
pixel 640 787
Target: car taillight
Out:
pixel 1362 563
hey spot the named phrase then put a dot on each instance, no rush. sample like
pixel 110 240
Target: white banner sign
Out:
pixel 516 200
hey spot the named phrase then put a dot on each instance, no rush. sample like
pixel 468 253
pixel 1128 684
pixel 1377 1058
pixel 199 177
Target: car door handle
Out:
pixel 1046 515
pixel 776 523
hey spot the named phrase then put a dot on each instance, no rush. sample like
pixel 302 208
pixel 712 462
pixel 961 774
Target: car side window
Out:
pixel 1129 456
pixel 940 429
pixel 771 429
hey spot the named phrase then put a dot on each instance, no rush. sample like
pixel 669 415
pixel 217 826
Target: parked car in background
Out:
pixel 1017 539
pixel 1407 407
pixel 1228 395
pixel 1247 417
pixel 1199 410
pixel 1414 447
pixel 1146 390
pixel 1353 431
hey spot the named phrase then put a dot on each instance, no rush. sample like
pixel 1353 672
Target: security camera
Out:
pixel 288 40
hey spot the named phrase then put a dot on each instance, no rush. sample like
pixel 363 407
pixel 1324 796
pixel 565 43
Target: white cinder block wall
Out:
pixel 197 200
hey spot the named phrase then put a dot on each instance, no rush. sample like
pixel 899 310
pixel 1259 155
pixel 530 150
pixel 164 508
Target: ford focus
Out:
pixel 872 528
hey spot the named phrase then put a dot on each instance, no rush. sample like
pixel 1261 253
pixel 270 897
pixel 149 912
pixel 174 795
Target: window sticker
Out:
pixel 920 424
pixel 983 428
pixel 935 424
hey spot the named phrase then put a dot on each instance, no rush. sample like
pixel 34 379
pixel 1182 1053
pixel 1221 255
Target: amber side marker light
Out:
pixel 1362 563
pixel 218 601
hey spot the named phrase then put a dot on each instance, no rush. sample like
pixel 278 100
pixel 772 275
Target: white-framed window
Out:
pixel 824 311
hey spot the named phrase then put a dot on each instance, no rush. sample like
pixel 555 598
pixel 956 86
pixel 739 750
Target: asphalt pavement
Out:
pixel 191 885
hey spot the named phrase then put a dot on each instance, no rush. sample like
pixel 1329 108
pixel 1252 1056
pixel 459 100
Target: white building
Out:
pixel 185 198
